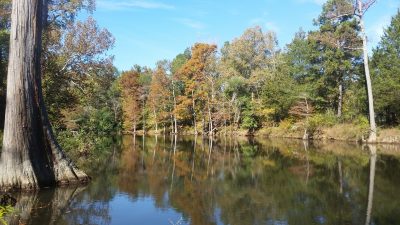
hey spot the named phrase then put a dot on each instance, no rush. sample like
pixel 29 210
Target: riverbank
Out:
pixel 340 132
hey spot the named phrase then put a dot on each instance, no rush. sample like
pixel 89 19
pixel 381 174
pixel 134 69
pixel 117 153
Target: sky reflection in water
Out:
pixel 227 181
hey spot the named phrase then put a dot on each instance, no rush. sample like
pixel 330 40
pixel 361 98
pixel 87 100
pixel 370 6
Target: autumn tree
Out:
pixel 158 100
pixel 193 76
pixel 177 85
pixel 31 157
pixel 131 105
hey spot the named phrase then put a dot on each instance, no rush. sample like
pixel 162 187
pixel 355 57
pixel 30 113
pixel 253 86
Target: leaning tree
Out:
pixel 31 158
pixel 358 8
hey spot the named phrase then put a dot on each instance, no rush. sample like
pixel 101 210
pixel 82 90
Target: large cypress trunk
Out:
pixel 31 157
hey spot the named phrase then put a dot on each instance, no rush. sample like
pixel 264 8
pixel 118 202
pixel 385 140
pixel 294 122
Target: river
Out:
pixel 236 181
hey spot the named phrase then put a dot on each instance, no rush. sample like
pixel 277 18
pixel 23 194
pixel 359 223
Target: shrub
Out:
pixel 318 121
pixel 286 124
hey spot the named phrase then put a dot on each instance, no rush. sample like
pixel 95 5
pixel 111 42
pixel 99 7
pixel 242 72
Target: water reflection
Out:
pixel 195 180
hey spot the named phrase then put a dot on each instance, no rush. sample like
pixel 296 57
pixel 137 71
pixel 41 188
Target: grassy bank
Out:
pixel 340 132
pixel 349 132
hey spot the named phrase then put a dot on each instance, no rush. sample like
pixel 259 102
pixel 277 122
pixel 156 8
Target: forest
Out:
pixel 314 87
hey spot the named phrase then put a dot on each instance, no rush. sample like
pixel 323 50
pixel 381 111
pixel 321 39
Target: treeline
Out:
pixel 250 83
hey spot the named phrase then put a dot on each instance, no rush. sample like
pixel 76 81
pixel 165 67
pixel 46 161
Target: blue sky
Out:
pixel 150 30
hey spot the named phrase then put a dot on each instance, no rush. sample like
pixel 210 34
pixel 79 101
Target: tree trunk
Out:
pixel 155 118
pixel 372 135
pixel 340 100
pixel 31 157
pixel 174 96
pixel 194 114
pixel 211 128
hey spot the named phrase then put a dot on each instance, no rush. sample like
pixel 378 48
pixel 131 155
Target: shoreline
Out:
pixel 389 136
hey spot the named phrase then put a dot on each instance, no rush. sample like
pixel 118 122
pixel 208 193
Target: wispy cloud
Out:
pixel 317 2
pixel 269 25
pixel 130 4
pixel 191 23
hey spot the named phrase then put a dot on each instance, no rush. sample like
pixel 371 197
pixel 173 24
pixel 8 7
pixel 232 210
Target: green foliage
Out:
pixel 386 79
pixel 4 210
pixel 286 124
pixel 180 60
pixel 249 120
pixel 98 122
pixel 318 121
pixel 278 94
pixel 362 122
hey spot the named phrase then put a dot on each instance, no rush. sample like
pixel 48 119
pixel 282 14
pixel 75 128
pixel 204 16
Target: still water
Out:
pixel 149 180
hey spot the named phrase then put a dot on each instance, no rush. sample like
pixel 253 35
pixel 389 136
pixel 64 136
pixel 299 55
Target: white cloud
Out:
pixel 317 2
pixel 129 4
pixel 191 23
pixel 266 24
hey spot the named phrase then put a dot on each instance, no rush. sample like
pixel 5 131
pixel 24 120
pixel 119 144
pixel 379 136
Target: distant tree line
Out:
pixel 251 83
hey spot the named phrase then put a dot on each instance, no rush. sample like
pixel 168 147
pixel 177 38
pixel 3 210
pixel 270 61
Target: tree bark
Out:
pixel 340 100
pixel 31 157
pixel 175 125
pixel 372 135
pixel 211 128
pixel 155 118
pixel 194 114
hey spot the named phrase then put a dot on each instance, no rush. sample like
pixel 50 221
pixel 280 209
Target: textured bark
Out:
pixel 340 100
pixel 31 157
pixel 372 135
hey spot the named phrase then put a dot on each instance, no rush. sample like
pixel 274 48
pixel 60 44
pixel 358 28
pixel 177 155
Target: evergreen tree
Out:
pixel 386 74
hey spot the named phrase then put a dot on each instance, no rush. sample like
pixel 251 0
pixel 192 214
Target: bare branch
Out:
pixel 367 5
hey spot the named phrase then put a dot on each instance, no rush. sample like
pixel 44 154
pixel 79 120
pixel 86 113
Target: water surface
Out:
pixel 149 180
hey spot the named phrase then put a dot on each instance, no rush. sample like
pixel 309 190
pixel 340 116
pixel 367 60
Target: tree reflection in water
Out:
pixel 155 180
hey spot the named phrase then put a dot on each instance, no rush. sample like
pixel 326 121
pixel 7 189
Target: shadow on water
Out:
pixel 197 180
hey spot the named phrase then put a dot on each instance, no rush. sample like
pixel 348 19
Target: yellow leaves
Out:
pixel 129 83
pixel 265 112
pixel 268 163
